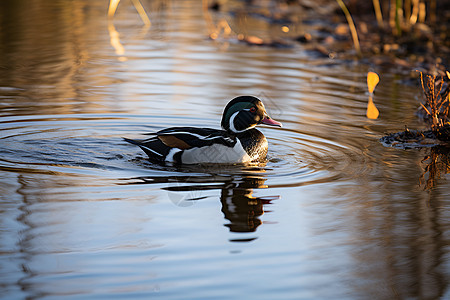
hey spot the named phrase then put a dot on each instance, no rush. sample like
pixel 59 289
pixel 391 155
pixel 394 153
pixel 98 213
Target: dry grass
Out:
pixel 437 103
pixel 404 14
pixel 352 27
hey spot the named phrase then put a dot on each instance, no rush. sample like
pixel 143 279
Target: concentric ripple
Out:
pixel 92 145
pixel 298 158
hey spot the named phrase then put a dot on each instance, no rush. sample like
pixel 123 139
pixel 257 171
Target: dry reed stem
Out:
pixel 437 104
pixel 352 27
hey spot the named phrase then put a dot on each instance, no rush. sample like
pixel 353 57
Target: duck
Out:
pixel 238 142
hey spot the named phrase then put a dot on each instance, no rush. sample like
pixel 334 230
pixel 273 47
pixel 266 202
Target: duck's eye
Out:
pixel 253 109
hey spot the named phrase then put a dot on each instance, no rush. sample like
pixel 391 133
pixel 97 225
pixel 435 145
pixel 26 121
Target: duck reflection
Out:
pixel 436 162
pixel 239 206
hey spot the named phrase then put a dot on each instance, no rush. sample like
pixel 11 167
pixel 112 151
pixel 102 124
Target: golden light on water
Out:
pixel 372 81
pixel 214 30
pixel 115 42
pixel 114 35
pixel 222 27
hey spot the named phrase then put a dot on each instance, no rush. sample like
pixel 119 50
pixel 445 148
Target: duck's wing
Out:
pixel 169 144
pixel 191 137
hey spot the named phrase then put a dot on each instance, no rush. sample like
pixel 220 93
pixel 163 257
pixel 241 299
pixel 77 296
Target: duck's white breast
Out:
pixel 216 153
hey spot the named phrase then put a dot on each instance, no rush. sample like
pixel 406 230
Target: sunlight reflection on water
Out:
pixel 332 214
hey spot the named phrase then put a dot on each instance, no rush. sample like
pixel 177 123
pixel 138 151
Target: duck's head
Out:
pixel 244 113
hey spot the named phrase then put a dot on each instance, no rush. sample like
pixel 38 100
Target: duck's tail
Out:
pixel 153 147
pixel 134 142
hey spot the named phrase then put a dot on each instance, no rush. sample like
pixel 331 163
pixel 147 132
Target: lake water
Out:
pixel 83 215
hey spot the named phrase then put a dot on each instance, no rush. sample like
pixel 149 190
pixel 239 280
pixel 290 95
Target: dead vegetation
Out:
pixel 435 110
pixel 437 103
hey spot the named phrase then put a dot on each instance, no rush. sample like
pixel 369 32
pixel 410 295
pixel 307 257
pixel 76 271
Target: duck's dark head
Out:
pixel 244 113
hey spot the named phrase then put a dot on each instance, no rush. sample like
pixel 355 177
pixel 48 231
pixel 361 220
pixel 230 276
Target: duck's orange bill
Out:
pixel 269 121
pixel 372 111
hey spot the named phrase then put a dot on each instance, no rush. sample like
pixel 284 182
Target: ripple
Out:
pixel 298 158
pixel 91 144
pixel 73 143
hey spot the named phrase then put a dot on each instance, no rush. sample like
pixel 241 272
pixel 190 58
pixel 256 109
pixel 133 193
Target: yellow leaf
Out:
pixel 372 111
pixel 372 81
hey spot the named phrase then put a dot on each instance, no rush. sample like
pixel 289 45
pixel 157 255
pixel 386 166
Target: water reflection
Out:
pixel 436 163
pixel 114 35
pixel 239 206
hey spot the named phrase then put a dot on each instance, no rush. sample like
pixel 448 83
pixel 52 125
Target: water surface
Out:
pixel 332 215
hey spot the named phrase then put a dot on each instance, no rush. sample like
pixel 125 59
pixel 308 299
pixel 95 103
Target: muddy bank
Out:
pixel 418 39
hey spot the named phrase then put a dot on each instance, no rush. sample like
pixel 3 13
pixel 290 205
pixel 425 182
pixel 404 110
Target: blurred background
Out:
pixel 332 214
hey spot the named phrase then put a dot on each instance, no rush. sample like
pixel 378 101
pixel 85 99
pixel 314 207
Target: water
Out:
pixel 332 215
